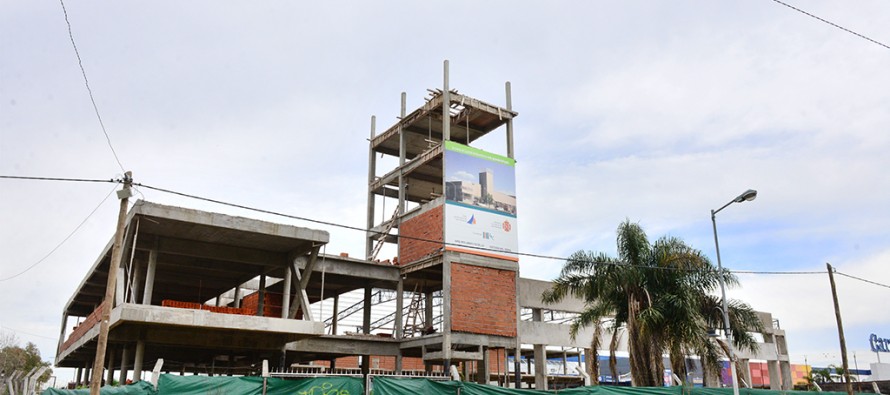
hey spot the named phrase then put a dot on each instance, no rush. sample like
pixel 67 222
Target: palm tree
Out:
pixel 659 294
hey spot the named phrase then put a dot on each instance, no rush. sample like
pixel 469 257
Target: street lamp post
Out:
pixel 744 197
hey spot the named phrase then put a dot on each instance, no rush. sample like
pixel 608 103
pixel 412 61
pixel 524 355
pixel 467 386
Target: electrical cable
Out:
pixel 832 24
pixel 110 180
pixel 26 333
pixel 356 228
pixel 87 83
pixel 862 279
pixel 63 241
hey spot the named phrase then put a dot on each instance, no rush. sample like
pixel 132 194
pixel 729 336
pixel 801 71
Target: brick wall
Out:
pixel 427 226
pixel 483 300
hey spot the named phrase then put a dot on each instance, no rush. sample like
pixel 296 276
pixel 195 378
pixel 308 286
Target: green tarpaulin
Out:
pixel 201 385
pixel 223 385
pixel 393 386
pixel 140 388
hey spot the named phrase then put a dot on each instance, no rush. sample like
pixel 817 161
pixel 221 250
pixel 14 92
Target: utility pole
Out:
pixel 840 331
pixel 99 363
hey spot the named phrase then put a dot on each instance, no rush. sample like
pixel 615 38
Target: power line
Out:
pixel 360 229
pixel 110 180
pixel 63 241
pixel 862 279
pixel 442 242
pixel 26 333
pixel 87 83
pixel 832 24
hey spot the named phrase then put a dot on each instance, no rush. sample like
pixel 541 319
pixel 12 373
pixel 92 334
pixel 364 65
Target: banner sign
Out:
pixel 480 202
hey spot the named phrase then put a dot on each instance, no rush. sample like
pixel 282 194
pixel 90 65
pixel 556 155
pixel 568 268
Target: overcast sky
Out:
pixel 653 111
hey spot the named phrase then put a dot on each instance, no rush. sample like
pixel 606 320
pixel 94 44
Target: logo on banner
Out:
pixel 487 236
pixel 507 226
pixel 472 220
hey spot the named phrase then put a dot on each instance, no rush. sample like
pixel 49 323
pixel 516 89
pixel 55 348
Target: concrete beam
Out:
pixel 215 251
pixel 351 267
pixel 346 345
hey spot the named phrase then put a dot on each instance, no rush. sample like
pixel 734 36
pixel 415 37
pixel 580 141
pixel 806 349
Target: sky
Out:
pixel 652 111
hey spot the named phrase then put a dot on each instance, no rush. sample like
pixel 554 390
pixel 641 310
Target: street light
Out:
pixel 747 196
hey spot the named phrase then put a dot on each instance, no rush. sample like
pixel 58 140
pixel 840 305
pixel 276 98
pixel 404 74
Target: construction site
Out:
pixel 210 294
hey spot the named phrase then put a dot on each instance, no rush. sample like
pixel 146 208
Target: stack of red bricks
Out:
pixel 199 306
pixel 271 304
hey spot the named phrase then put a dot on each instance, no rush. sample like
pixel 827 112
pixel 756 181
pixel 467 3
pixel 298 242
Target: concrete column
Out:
pixel 109 376
pixel 517 367
pixel 366 312
pixel 540 356
pixel 399 363
pixel 150 275
pixel 483 367
pixel 372 174
pixel 509 121
pixel 465 370
pixel 446 311
pixel 237 303
pixel 427 309
pixel 86 375
pixel 336 313
pixel 138 279
pixel 775 378
pixel 400 300
pixel 787 381
pixel 260 309
pixel 565 363
pixel 137 361
pixel 446 107
pixel 78 376
pixel 285 299
pixel 125 357
pixel 540 367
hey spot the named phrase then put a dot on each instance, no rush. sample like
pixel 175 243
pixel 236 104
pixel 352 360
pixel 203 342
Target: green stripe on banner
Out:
pixel 476 152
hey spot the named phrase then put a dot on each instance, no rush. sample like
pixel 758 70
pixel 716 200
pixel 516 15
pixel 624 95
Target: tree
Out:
pixel 660 295
pixel 24 359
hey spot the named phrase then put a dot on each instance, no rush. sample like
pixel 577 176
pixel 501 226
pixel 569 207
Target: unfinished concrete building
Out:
pixel 210 293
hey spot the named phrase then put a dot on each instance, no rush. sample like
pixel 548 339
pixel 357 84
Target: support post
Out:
pixel 261 297
pixel 372 173
pixel 150 276
pixel 400 300
pixel 509 120
pixel 427 310
pixel 237 301
pixel 446 107
pixel 334 318
pixel 483 367
pixel 137 361
pixel 366 312
pixel 116 253
pixel 109 376
pixel 285 298
pixel 125 369
pixel 840 331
